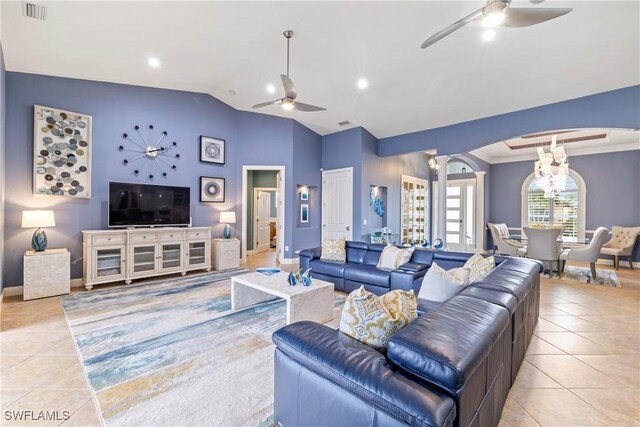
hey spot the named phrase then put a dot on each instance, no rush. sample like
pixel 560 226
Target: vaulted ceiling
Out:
pixel 222 48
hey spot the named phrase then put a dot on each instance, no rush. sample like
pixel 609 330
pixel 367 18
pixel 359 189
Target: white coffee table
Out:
pixel 313 302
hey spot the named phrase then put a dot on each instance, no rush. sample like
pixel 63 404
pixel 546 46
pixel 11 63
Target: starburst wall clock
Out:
pixel 150 155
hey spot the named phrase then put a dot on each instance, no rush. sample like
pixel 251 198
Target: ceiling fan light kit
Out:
pixel 499 13
pixel 288 102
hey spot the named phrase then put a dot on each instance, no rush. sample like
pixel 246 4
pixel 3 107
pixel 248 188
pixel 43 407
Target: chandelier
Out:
pixel 551 169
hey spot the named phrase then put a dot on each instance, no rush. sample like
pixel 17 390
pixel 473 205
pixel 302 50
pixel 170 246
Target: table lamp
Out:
pixel 227 218
pixel 38 219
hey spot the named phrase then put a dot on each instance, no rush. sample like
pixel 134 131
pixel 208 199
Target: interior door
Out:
pixel 262 209
pixel 337 204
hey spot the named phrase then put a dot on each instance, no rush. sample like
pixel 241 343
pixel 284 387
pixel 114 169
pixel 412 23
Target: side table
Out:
pixel 46 273
pixel 225 254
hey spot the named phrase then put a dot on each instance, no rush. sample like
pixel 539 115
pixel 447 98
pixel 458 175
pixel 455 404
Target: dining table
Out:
pixel 565 241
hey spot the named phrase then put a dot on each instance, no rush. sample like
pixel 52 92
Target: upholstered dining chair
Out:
pixel 588 253
pixel 623 239
pixel 543 245
pixel 501 241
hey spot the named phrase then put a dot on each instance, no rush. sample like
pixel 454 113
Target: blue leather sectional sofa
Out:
pixel 453 366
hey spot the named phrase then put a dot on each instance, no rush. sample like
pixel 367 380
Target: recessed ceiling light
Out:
pixel 271 88
pixel 232 92
pixel 153 62
pixel 488 35
pixel 363 84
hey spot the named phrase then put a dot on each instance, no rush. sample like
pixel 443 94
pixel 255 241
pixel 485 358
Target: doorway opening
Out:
pixel 263 215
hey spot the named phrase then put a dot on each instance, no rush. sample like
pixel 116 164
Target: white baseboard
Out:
pixel 623 263
pixel 290 261
pixel 19 290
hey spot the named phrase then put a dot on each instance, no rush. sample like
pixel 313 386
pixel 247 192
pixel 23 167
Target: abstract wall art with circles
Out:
pixel 211 189
pixel 62 153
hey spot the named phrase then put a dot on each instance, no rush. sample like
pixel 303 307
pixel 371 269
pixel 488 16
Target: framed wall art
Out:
pixel 212 150
pixel 211 189
pixel 62 148
pixel 304 213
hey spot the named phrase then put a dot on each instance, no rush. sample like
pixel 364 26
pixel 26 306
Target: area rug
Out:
pixel 172 352
pixel 581 274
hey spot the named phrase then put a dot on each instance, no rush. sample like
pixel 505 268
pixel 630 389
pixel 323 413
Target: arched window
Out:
pixel 458 166
pixel 567 208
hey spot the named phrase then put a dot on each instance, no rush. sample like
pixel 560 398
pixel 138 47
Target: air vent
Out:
pixel 34 10
pixel 344 123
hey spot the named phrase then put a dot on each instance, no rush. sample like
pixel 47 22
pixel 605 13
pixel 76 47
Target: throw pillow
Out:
pixel 334 250
pixel 373 320
pixel 479 266
pixel 439 284
pixel 393 257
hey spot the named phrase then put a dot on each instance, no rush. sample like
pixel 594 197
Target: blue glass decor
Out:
pixel 438 244
pixel 268 271
pixel 39 240
pixel 376 202
pixel 227 231
pixel 425 244
pixel 299 277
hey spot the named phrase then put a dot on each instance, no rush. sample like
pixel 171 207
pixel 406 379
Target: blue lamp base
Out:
pixel 39 240
pixel 227 231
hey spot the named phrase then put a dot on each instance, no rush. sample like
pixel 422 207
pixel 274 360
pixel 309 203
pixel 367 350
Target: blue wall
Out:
pixel 614 109
pixel 2 159
pixel 253 139
pixel 612 181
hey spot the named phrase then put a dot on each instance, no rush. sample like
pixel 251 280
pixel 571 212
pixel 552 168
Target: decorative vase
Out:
pixel 227 231
pixel 39 240
pixel 438 244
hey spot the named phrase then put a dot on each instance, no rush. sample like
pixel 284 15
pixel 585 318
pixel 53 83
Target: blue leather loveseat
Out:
pixel 453 366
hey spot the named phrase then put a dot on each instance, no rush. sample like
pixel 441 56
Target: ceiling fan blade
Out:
pixel 307 107
pixel 289 88
pixel 264 104
pixel 525 17
pixel 451 28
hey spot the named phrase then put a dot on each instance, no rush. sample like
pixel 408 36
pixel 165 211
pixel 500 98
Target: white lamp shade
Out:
pixel 37 219
pixel 228 217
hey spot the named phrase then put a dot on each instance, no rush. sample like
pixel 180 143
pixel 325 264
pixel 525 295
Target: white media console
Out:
pixel 115 255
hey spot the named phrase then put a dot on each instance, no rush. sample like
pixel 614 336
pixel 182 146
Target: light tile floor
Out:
pixel 582 367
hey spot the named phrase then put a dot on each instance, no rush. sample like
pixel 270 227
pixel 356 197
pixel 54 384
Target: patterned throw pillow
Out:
pixel 373 320
pixel 479 267
pixel 334 250
pixel 393 257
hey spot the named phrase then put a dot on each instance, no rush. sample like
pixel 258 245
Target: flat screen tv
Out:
pixel 145 205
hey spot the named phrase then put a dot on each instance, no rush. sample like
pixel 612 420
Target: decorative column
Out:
pixel 442 198
pixel 480 225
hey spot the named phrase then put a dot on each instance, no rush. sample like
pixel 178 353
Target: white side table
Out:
pixel 46 273
pixel 225 254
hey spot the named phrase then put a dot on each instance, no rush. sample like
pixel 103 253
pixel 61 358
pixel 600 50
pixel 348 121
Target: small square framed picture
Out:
pixel 304 213
pixel 211 189
pixel 212 150
pixel 304 194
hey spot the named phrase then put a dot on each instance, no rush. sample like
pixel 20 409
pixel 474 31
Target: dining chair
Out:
pixel 588 253
pixel 623 239
pixel 501 241
pixel 543 245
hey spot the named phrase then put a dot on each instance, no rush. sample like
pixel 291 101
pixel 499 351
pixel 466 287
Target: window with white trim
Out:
pixel 565 209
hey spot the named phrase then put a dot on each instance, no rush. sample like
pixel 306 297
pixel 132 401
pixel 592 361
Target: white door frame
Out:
pixel 322 229
pixel 254 223
pixel 281 208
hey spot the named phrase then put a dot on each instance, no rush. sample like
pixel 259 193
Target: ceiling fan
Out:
pixel 290 93
pixel 500 13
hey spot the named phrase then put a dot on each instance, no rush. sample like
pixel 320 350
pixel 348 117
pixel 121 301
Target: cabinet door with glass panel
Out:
pixel 171 256
pixel 143 258
pixel 108 263
pixel 414 210
pixel 198 253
